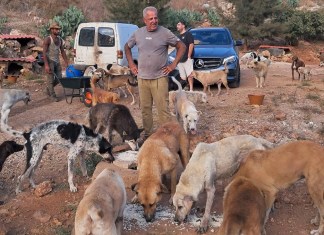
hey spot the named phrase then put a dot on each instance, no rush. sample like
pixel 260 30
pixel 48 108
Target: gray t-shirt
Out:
pixel 152 50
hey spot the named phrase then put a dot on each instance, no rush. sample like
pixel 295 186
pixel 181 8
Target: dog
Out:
pixel 296 63
pixel 111 81
pixel 306 72
pixel 209 162
pixel 8 98
pixel 193 96
pixel 101 209
pixel 77 138
pixel 158 156
pixel 7 148
pixel 101 96
pixel 244 209
pixel 114 117
pixel 250 56
pixel 218 77
pixel 276 169
pixel 260 69
pixel 116 69
pixel 2 75
pixel 185 110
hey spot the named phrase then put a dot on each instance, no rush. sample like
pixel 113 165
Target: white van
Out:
pixel 102 43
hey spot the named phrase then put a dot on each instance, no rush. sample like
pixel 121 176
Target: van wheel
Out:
pixel 87 100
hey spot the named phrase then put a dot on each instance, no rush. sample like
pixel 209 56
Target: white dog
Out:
pixel 208 163
pixel 8 98
pixel 186 110
pixel 101 209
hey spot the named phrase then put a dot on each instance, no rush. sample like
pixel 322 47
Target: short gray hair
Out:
pixel 150 8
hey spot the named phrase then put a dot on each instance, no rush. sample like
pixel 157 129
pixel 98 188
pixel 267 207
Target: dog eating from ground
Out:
pixel 209 162
pixel 193 96
pixel 6 149
pixel 306 72
pixel 296 63
pixel 276 169
pixel 101 96
pixel 159 156
pixel 8 98
pixel 186 110
pixel 75 137
pixel 218 77
pixel 260 69
pixel 101 209
pixel 244 209
pixel 114 117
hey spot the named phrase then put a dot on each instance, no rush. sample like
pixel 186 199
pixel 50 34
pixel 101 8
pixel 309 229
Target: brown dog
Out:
pixel 278 168
pixel 216 77
pixel 296 63
pixel 101 209
pixel 101 96
pixel 158 156
pixel 244 209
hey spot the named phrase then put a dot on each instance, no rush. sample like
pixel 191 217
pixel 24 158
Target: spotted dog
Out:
pixel 8 98
pixel 77 138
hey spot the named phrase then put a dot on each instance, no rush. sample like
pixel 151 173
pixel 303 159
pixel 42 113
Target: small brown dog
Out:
pixel 101 209
pixel 99 95
pixel 278 168
pixel 218 77
pixel 244 209
pixel 296 63
pixel 158 156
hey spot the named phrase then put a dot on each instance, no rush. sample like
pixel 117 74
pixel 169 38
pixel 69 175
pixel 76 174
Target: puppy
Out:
pixel 244 209
pixel 218 77
pixel 8 98
pixel 276 169
pixel 185 110
pixel 306 72
pixel 6 149
pixel 101 96
pixel 73 136
pixel 114 117
pixel 296 63
pixel 208 163
pixel 158 156
pixel 260 69
pixel 101 209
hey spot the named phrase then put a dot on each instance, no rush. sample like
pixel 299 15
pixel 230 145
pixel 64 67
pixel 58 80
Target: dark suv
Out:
pixel 212 47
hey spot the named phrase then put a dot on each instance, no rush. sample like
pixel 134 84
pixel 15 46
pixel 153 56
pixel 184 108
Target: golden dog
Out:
pixel 101 209
pixel 278 168
pixel 101 96
pixel 215 77
pixel 158 156
pixel 244 209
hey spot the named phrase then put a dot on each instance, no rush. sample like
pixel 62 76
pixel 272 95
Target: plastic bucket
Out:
pixel 71 72
pixel 256 99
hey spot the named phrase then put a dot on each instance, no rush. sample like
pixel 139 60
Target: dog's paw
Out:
pixel 203 227
pixel 315 232
pixel 315 221
pixel 73 189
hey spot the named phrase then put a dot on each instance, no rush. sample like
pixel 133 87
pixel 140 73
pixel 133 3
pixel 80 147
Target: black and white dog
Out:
pixel 8 98
pixel 7 148
pixel 77 138
pixel 110 116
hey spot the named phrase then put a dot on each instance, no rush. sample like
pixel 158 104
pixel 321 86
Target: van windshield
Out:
pixel 106 37
pixel 86 37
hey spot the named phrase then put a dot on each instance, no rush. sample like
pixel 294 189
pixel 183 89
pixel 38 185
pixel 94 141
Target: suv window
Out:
pixel 211 38
pixel 86 37
pixel 106 37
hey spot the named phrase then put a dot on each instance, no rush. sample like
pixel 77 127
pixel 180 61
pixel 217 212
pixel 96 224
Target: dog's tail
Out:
pixel 8 130
pixel 177 82
pixel 225 68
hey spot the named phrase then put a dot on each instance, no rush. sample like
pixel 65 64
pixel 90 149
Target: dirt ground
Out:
pixel 291 111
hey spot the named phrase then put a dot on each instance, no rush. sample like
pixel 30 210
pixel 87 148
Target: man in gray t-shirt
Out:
pixel 153 42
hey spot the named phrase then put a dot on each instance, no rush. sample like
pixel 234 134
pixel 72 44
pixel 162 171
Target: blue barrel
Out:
pixel 73 72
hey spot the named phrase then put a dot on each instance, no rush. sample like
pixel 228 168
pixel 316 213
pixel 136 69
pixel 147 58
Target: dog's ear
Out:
pixel 164 189
pixel 186 116
pixel 134 187
pixel 188 201
pixel 109 66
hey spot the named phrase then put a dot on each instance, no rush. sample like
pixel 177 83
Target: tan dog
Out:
pixel 244 209
pixel 193 96
pixel 101 96
pixel 218 77
pixel 117 69
pixel 158 156
pixel 208 163
pixel 278 168
pixel 101 209
pixel 186 110
pixel 2 75
pixel 306 72
pixel 260 69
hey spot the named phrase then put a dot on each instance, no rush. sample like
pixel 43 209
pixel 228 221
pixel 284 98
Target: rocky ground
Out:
pixel 291 110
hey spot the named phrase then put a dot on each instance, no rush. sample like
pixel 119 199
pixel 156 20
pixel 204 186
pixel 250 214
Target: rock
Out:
pixel 43 188
pixel 41 216
pixel 279 115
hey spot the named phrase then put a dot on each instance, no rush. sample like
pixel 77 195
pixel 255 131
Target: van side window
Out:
pixel 106 37
pixel 86 37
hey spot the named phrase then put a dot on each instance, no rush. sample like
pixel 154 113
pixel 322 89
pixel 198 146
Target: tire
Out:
pixel 236 83
pixel 87 100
